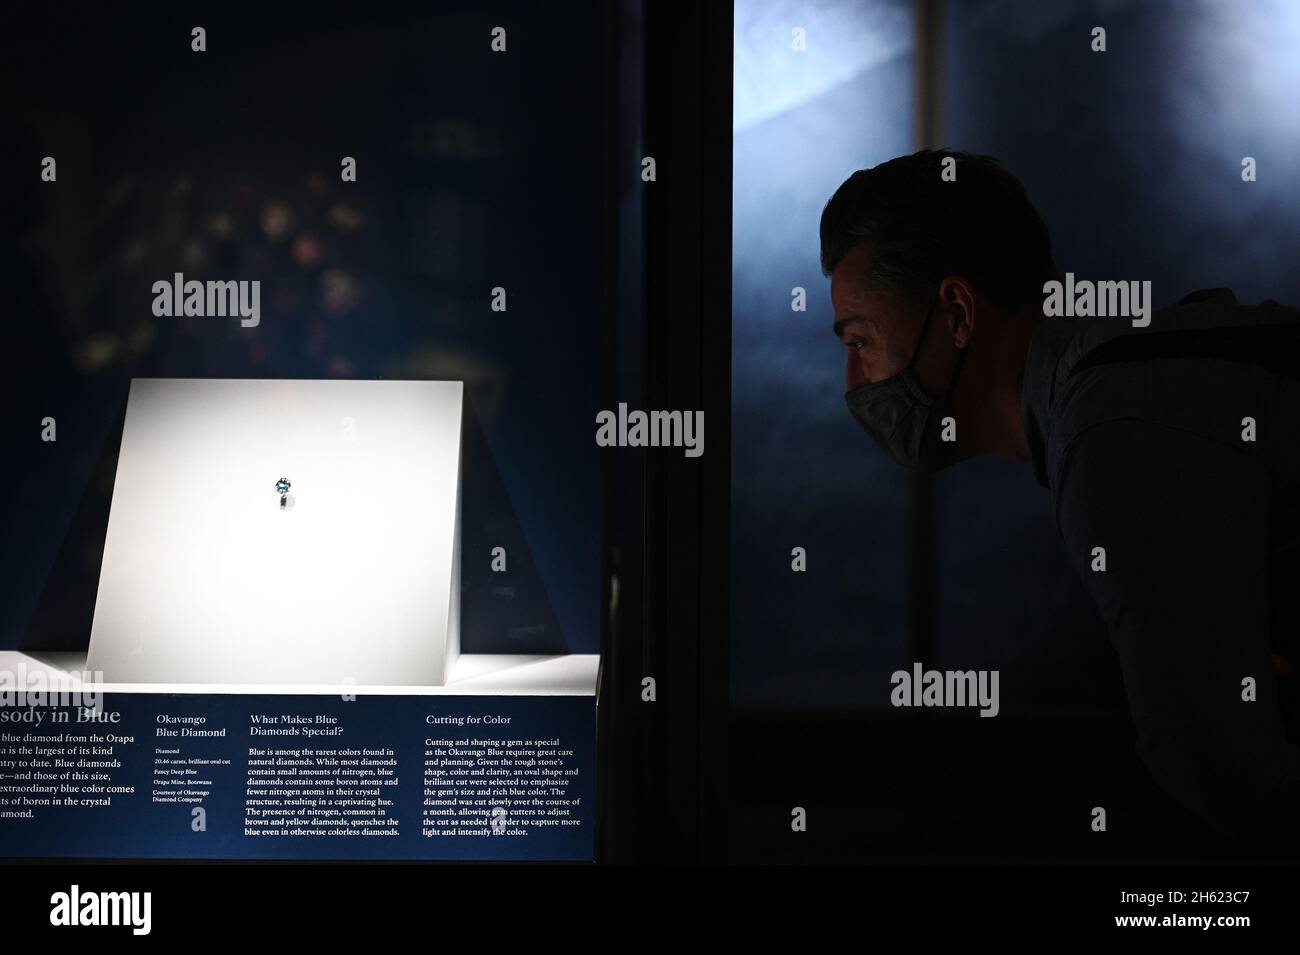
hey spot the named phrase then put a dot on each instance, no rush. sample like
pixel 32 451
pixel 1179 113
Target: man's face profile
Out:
pixel 879 328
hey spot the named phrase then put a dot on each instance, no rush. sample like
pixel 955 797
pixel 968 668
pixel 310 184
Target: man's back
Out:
pixel 1173 458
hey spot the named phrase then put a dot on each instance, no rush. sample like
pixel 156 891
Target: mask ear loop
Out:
pixel 961 352
pixel 952 385
pixel 956 371
pixel 925 328
pixel 952 382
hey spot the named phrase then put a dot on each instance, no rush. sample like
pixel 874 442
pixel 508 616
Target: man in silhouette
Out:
pixel 1170 445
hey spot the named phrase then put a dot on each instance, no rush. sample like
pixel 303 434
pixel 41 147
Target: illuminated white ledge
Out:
pixel 484 674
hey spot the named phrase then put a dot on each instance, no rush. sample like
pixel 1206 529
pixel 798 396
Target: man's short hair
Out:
pixel 981 226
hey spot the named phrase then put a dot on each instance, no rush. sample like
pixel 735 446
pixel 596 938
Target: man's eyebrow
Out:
pixel 843 323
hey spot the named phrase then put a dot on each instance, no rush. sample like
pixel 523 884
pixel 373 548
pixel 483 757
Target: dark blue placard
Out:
pixel 137 826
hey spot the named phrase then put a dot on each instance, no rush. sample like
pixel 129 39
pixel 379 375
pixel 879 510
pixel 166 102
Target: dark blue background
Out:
pixel 475 170
pixel 1133 158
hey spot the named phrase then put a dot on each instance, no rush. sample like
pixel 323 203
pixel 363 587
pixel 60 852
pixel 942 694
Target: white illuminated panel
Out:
pixel 206 579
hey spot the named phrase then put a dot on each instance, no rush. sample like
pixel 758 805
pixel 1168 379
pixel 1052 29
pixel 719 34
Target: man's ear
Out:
pixel 957 298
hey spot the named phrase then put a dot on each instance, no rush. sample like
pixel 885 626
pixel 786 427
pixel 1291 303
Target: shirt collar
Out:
pixel 1046 348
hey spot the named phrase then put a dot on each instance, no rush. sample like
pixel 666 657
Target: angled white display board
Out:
pixel 215 572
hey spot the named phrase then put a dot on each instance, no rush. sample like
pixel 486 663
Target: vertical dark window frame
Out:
pixel 662 765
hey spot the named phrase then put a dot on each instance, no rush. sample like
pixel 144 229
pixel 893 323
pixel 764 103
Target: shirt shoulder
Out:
pixel 1083 372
